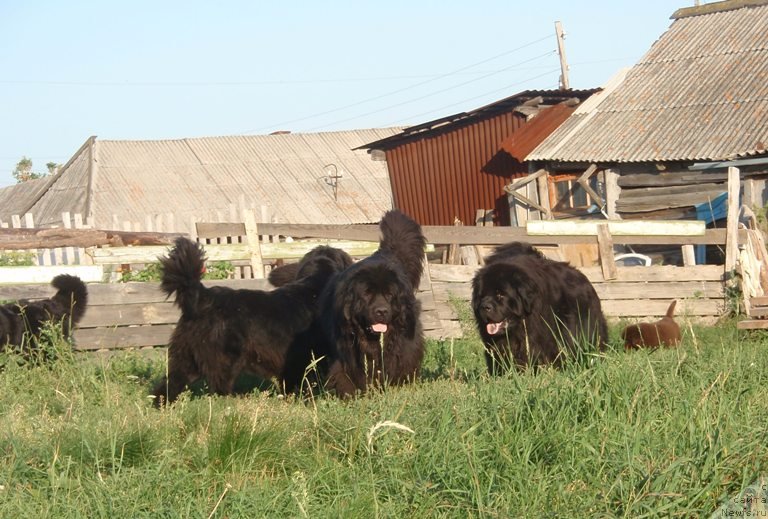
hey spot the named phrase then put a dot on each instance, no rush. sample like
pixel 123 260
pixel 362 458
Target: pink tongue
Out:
pixel 379 328
pixel 493 328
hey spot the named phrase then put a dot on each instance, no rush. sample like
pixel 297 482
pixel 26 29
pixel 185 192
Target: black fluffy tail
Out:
pixel 402 237
pixel 182 271
pixel 71 294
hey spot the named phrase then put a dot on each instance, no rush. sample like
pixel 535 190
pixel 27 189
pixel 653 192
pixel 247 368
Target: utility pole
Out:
pixel 564 83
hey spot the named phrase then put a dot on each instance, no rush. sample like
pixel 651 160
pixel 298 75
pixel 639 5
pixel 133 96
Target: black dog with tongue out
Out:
pixel 369 322
pixel 530 309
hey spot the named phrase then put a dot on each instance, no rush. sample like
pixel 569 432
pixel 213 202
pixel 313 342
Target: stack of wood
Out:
pixel 753 270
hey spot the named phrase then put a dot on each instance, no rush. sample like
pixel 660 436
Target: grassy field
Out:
pixel 665 433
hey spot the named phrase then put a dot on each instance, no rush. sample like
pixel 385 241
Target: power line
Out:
pixel 415 85
pixel 507 87
pixel 232 83
pixel 431 93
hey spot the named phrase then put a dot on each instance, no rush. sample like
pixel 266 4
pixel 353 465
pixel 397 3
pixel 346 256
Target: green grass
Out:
pixel 642 434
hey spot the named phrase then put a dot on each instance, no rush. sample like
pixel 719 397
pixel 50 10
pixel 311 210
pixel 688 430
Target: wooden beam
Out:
pixel 542 186
pixel 612 192
pixel 657 203
pixel 617 227
pixel 49 238
pixel 605 247
pixel 647 192
pixel 583 181
pixel 44 274
pixel 732 222
pixel 752 324
pixel 689 258
pixel 528 201
pixel 254 245
pixel 520 182
pixel 671 179
pixel 226 252
pixel 121 238
pixel 470 235
pixel 453 248
pixel 18 239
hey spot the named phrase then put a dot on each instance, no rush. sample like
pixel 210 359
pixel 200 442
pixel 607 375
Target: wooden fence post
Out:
pixel 689 256
pixel 81 257
pixel 252 235
pixel 68 258
pixel 605 247
pixel 732 222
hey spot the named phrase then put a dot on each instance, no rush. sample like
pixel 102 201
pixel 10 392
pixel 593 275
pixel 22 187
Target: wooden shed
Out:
pixel 656 141
pixel 449 169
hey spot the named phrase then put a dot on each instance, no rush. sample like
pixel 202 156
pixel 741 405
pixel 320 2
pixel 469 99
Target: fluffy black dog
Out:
pixel 24 319
pixel 223 332
pixel 528 307
pixel 369 318
pixel 284 274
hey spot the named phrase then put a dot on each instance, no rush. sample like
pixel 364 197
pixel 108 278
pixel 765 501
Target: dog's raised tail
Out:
pixel 71 294
pixel 671 309
pixel 402 237
pixel 183 269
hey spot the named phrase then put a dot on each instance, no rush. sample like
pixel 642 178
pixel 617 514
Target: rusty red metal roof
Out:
pixel 452 122
pixel 530 135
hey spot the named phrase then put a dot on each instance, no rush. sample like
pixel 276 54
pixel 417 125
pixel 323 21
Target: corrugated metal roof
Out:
pixel 699 93
pixel 524 140
pixel 18 198
pixel 198 178
pixel 452 122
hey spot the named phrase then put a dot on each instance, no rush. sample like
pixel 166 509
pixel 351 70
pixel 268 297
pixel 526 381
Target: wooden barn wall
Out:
pixel 439 178
pixel 647 193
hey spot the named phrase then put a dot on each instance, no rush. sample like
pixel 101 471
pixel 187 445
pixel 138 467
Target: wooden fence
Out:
pixel 138 315
pixel 53 255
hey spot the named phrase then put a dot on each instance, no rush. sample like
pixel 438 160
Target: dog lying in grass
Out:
pixel 22 321
pixel 664 332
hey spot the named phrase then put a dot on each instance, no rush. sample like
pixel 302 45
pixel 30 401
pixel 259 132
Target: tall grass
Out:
pixel 642 434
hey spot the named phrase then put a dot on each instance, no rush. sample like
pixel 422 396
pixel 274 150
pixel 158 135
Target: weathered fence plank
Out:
pixel 616 227
pixel 460 235
pixel 130 314
pixel 459 273
pixel 227 252
pixel 46 273
pixel 122 337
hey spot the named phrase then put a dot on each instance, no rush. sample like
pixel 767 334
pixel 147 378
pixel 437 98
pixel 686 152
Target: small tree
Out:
pixel 23 171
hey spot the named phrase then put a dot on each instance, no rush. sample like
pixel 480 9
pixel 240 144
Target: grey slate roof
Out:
pixel 699 93
pixel 119 180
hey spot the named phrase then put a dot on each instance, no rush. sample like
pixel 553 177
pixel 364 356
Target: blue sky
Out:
pixel 170 69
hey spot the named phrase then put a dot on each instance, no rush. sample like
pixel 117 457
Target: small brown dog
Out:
pixel 664 332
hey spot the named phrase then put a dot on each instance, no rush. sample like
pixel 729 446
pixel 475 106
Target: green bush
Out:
pixel 17 259
pixel 154 272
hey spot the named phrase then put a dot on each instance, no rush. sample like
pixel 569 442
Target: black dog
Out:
pixel 223 332
pixel 370 316
pixel 288 272
pixel 25 319
pixel 528 307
